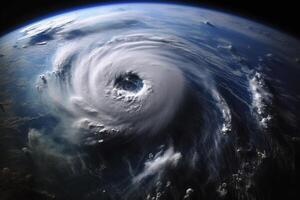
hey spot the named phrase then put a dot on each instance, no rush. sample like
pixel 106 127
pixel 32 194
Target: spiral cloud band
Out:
pixel 129 84
pixel 144 100
pixel 138 85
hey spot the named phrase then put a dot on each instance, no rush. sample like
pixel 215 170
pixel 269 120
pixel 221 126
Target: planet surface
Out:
pixel 149 101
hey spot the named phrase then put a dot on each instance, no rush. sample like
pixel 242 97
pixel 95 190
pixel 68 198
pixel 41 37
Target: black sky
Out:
pixel 283 15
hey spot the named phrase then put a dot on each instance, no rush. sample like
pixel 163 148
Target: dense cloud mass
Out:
pixel 129 84
pixel 133 84
pixel 157 107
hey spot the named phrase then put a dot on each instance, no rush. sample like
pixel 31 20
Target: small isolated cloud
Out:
pixel 40 33
pixel 70 27
pixel 159 163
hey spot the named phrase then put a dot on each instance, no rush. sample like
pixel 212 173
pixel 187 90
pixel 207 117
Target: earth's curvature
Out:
pixel 149 101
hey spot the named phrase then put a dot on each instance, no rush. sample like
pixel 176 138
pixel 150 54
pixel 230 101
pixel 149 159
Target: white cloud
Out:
pixel 159 163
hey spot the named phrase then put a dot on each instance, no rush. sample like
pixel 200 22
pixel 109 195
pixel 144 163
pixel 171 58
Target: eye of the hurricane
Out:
pixel 129 82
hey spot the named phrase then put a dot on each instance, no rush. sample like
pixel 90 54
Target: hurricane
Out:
pixel 158 91
pixel 138 111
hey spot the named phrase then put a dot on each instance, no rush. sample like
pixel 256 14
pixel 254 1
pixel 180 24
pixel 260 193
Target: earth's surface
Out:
pixel 149 101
